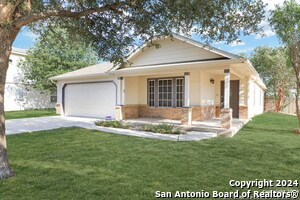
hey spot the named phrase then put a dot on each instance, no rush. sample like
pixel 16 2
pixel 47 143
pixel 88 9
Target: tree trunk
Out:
pixel 7 36
pixel 297 103
pixel 294 55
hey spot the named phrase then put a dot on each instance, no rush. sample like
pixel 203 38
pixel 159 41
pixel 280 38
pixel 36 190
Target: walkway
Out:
pixel 17 126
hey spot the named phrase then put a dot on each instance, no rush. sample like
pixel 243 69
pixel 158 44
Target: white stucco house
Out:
pixel 178 78
pixel 16 96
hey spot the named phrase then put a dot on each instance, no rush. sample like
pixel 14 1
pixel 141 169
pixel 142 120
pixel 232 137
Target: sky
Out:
pixel 26 39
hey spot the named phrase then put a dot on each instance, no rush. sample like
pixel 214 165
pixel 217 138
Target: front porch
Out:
pixel 189 98
pixel 203 129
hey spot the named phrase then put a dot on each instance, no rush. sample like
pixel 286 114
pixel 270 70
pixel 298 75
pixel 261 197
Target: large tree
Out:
pixel 114 25
pixel 286 23
pixel 55 52
pixel 273 66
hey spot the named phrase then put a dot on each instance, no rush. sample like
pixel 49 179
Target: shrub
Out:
pixel 162 128
pixel 112 123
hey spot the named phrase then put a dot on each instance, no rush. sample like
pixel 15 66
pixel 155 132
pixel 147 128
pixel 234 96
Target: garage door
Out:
pixel 90 99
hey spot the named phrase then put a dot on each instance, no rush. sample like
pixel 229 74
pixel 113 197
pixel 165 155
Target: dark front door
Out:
pixel 234 97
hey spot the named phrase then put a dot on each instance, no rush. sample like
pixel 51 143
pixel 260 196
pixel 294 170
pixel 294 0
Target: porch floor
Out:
pixel 212 126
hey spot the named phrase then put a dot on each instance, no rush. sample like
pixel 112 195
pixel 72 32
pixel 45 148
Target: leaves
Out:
pixel 114 32
pixel 273 66
pixel 55 53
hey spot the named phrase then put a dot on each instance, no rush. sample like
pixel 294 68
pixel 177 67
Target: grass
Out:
pixel 29 113
pixel 74 163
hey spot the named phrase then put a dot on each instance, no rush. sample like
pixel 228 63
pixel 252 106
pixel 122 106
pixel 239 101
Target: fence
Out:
pixel 289 108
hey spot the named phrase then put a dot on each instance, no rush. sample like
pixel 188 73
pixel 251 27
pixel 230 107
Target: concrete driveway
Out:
pixel 16 126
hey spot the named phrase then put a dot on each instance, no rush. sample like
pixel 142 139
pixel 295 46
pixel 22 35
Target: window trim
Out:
pixel 174 91
pixel 148 93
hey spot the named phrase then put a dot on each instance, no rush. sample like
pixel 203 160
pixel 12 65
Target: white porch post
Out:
pixel 186 89
pixel 123 92
pixel 119 115
pixel 226 112
pixel 226 88
pixel 119 91
pixel 186 113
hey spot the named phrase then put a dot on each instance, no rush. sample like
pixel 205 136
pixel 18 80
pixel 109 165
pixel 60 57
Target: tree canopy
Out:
pixel 55 53
pixel 114 32
pixel 285 20
pixel 273 66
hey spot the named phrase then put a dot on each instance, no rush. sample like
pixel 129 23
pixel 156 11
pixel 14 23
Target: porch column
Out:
pixel 226 88
pixel 119 91
pixel 186 112
pixel 123 92
pixel 119 108
pixel 226 112
pixel 186 89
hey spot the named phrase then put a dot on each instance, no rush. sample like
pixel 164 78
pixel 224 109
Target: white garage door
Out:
pixel 90 99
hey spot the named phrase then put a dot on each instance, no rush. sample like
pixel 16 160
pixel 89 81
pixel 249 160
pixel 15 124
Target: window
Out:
pixel 166 92
pixel 179 92
pixel 151 89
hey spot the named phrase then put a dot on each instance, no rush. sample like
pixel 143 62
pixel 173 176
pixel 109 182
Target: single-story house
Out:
pixel 18 95
pixel 177 78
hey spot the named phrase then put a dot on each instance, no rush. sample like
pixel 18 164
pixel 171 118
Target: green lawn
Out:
pixel 74 163
pixel 29 113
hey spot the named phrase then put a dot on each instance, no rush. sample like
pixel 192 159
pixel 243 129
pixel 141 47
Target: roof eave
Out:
pixel 255 73
pixel 174 66
pixel 94 75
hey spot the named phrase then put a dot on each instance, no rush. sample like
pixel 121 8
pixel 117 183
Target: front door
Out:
pixel 234 97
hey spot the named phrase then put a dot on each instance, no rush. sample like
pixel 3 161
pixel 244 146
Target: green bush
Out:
pixel 162 128
pixel 112 123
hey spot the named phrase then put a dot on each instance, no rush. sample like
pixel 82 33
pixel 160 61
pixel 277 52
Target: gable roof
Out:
pixel 189 41
pixel 94 70
pixel 108 68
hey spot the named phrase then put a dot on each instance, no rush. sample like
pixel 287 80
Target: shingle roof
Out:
pixel 98 69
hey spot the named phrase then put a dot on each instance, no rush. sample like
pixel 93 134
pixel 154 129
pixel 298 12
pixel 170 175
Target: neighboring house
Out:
pixel 178 78
pixel 17 96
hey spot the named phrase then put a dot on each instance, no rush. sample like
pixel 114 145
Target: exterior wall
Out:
pixel 17 95
pixel 168 113
pixel 201 113
pixel 243 112
pixel 132 86
pixel 255 99
pixel 131 111
pixel 170 51
pixel 207 90
pixel 204 98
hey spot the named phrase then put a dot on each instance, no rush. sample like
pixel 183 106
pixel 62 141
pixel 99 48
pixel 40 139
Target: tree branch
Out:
pixel 66 13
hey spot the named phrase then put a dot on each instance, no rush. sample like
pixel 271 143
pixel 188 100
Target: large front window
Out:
pixel 167 92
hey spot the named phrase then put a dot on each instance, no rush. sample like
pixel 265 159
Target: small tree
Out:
pixel 286 22
pixel 56 52
pixel 272 65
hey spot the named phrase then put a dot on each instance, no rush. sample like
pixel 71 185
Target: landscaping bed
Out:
pixel 162 128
